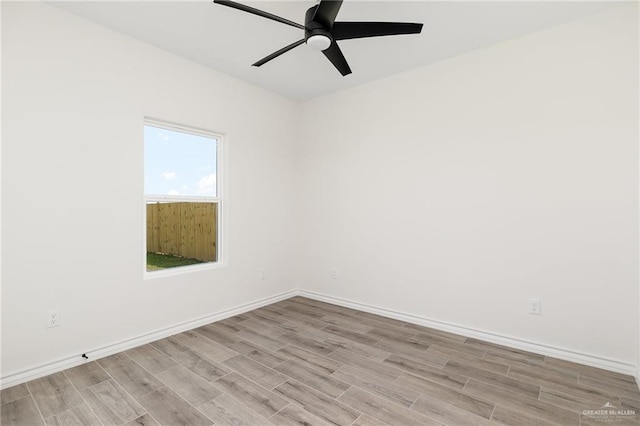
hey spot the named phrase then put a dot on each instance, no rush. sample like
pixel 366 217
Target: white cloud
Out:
pixel 207 184
pixel 173 192
pixel 169 175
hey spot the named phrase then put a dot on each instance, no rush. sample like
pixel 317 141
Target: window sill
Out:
pixel 181 270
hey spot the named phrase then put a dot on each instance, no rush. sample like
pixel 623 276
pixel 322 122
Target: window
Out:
pixel 182 196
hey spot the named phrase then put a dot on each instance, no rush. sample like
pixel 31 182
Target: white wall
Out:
pixel 460 190
pixel 74 95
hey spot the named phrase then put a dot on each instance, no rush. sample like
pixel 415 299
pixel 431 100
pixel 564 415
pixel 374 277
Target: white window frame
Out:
pixel 220 245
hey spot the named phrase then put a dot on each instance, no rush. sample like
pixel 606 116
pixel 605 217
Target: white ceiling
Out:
pixel 229 40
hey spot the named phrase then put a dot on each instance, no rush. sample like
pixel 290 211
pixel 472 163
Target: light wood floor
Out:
pixel 303 362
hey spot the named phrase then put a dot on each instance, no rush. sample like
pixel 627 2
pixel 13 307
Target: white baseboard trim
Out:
pixel 42 370
pixel 527 345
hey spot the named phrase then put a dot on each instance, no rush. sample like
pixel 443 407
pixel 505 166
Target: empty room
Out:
pixel 320 212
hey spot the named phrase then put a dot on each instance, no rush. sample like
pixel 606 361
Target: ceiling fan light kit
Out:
pixel 321 31
pixel 319 42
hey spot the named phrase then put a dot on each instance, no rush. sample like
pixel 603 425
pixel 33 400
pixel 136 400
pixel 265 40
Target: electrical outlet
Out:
pixel 53 318
pixel 334 274
pixel 535 306
pixel 262 274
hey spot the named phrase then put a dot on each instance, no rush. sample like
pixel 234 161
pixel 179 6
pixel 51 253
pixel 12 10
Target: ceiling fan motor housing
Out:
pixel 314 28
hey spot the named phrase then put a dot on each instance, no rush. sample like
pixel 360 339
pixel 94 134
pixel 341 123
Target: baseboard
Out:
pixel 113 348
pixel 101 352
pixel 527 345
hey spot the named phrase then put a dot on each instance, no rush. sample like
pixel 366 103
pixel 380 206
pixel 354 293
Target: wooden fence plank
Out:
pixel 183 229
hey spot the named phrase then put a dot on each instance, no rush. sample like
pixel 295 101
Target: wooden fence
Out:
pixel 183 229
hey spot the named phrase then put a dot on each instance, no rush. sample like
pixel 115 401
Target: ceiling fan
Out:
pixel 321 31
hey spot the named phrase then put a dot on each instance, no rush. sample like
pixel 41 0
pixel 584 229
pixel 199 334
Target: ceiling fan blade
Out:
pixel 258 12
pixel 327 11
pixel 278 53
pixel 334 54
pixel 349 30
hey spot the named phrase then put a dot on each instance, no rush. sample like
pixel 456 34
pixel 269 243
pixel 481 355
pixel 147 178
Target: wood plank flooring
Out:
pixel 304 362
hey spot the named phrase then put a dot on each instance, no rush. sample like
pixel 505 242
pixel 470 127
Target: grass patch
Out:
pixel 158 261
